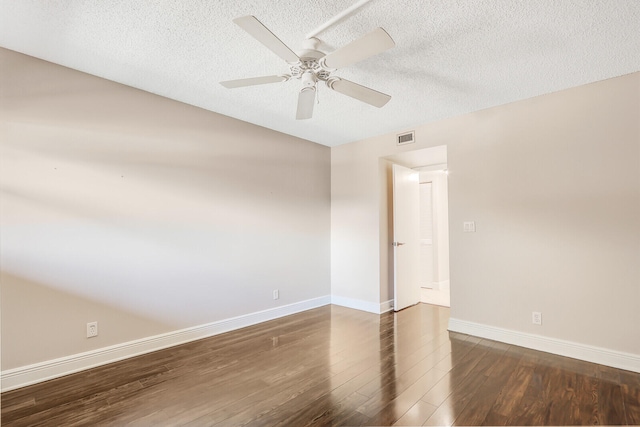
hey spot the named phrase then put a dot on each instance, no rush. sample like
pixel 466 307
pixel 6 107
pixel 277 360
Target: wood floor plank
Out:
pixel 464 382
pixel 404 379
pixel 335 366
pixel 561 398
pixel 530 412
pixel 297 410
pixel 416 415
pixel 485 396
pixel 630 385
pixel 396 408
pixel 277 406
pixel 456 377
pixel 611 404
pixel 85 386
pixel 331 411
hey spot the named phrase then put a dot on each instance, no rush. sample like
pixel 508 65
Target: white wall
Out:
pixel 144 214
pixel 553 184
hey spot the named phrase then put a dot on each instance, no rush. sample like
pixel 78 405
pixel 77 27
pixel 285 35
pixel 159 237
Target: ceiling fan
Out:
pixel 311 65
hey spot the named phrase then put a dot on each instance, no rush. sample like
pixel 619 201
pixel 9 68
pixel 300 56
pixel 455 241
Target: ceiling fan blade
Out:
pixel 369 45
pixel 361 93
pixel 261 33
pixel 306 100
pixel 253 81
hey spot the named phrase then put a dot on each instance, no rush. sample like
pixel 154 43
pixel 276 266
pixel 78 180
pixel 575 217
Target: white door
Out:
pixel 406 237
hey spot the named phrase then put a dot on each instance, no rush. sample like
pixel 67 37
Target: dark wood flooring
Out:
pixel 335 366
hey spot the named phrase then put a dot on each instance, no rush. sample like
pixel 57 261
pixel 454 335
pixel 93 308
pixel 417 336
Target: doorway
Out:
pixel 434 235
pixel 430 275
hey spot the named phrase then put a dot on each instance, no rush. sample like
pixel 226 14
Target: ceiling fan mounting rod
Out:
pixel 338 18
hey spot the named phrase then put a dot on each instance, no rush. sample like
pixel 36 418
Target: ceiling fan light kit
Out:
pixel 311 65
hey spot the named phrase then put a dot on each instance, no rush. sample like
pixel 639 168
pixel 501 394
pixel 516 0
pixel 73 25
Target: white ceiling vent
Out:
pixel 406 138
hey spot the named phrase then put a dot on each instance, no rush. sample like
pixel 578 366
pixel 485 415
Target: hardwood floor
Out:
pixel 336 366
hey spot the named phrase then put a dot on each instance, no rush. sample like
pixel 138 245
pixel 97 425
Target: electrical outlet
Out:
pixel 92 329
pixel 536 318
pixel 276 294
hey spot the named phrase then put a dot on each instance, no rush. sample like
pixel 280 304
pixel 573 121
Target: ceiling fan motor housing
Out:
pixel 309 64
pixel 309 79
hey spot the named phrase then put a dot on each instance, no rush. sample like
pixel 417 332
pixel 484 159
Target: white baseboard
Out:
pixel 602 356
pixel 386 306
pixel 357 304
pixel 26 375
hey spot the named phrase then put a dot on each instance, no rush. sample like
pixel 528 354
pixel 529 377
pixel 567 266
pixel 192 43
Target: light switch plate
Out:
pixel 469 226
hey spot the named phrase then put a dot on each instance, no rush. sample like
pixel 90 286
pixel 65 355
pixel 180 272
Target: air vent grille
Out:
pixel 406 138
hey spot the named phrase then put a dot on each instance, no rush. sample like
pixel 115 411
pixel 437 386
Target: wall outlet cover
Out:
pixel 536 318
pixel 92 329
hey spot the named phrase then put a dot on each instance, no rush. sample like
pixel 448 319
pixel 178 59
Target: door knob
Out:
pixel 398 243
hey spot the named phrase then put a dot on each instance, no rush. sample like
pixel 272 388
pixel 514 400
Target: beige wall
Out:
pixel 144 214
pixel 553 184
pixel 150 215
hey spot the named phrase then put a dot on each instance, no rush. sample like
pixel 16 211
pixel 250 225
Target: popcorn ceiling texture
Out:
pixel 451 57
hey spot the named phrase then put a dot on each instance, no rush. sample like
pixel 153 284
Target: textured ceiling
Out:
pixel 451 57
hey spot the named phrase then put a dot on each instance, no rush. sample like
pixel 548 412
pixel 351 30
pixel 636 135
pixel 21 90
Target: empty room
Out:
pixel 319 213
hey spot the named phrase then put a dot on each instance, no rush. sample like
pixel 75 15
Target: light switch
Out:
pixel 469 226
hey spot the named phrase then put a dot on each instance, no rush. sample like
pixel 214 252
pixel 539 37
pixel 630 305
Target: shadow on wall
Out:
pixel 43 319
pixel 161 211
pixel 200 166
pixel 139 239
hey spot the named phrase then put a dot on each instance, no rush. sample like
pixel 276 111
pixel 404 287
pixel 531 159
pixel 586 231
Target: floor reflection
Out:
pixel 337 366
pixel 389 342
